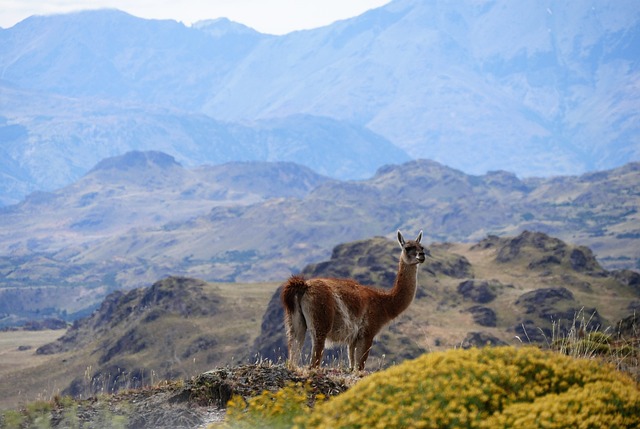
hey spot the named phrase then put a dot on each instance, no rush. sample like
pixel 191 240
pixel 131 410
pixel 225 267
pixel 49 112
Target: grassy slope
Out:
pixel 439 321
pixel 233 328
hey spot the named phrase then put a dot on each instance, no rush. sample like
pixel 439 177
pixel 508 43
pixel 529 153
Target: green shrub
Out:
pixel 61 412
pixel 485 388
pixel 11 420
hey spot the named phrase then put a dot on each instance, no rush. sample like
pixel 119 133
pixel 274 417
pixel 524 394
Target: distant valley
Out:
pixel 140 217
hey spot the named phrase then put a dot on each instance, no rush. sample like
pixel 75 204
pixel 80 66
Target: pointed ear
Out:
pixel 400 238
pixel 419 237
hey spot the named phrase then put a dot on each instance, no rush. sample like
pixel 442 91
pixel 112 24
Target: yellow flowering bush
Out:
pixel 270 409
pixel 595 405
pixel 485 388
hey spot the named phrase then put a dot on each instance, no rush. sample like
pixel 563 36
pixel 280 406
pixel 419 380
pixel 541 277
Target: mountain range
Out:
pixel 142 216
pixel 535 88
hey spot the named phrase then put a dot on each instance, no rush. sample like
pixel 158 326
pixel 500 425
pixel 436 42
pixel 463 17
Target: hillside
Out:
pixel 146 189
pixel 513 290
pixel 119 197
pixel 176 328
pixel 189 404
pixel 536 88
pixel 527 384
pixel 140 217
pixel 531 288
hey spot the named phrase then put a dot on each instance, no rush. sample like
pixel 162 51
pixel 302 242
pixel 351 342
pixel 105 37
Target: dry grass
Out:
pixel 582 342
pixel 17 347
pixel 18 359
pixel 27 376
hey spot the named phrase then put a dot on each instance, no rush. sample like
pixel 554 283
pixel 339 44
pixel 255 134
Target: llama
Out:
pixel 341 311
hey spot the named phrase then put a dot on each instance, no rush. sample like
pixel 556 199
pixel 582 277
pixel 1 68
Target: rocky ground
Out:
pixel 193 403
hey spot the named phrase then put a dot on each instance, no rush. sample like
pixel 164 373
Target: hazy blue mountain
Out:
pixel 136 191
pixel 337 149
pixel 15 180
pixel 110 54
pixel 533 87
pixel 223 28
pixel 97 84
pixel 58 139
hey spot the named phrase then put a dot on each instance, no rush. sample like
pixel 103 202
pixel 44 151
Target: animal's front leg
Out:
pixel 319 328
pixel 363 346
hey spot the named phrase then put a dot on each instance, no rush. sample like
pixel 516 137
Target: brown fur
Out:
pixel 343 311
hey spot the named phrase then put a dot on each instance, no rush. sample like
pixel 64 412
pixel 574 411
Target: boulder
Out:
pixel 479 291
pixel 483 316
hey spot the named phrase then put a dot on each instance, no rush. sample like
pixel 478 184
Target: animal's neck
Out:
pixel 404 289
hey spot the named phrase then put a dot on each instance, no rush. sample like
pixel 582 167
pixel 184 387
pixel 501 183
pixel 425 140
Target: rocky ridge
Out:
pixel 124 228
pixel 568 286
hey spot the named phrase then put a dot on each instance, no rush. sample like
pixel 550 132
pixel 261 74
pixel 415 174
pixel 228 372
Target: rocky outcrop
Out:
pixel 539 300
pixel 551 312
pixel 544 252
pixel 180 296
pixel 483 316
pixel 481 339
pixel 479 291
pixel 629 327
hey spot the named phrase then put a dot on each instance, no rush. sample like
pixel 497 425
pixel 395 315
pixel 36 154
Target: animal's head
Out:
pixel 412 250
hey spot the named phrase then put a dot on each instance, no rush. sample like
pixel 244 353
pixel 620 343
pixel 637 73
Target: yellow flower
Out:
pixel 492 387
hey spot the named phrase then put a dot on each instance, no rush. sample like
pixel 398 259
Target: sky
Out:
pixel 266 16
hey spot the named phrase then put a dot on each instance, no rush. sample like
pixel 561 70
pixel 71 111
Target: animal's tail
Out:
pixel 294 288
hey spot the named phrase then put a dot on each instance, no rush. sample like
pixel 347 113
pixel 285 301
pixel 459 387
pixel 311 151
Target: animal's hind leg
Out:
pixel 296 330
pixel 352 353
pixel 319 328
pixel 317 349
pixel 318 312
